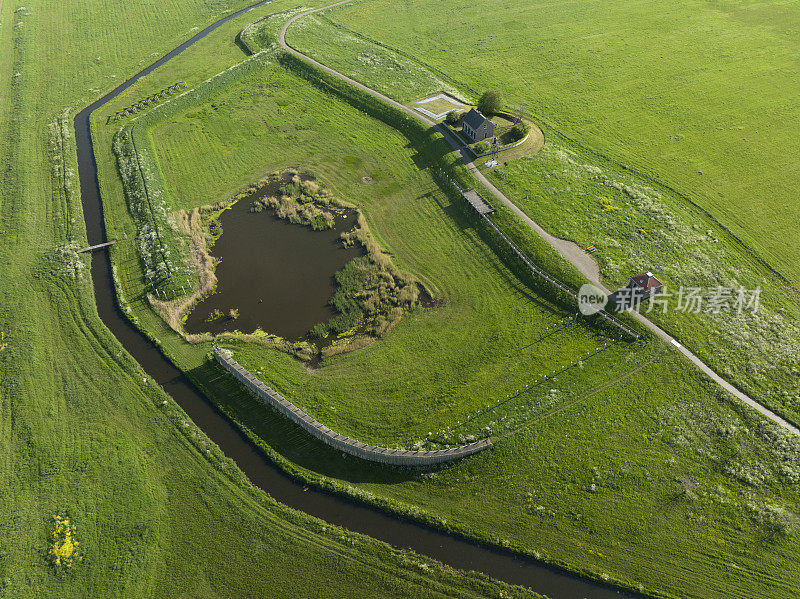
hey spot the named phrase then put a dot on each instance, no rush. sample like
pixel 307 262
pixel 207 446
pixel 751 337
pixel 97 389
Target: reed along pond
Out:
pixel 277 274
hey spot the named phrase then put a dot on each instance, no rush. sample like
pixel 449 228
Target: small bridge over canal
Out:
pixel 99 246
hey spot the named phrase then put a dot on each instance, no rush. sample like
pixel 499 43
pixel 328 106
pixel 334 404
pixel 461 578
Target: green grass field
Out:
pixel 272 119
pixel 397 76
pixel 700 95
pixel 640 226
pixel 634 459
pixel 644 226
pixel 158 512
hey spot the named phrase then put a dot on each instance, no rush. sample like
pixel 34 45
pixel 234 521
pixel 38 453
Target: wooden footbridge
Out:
pixel 99 246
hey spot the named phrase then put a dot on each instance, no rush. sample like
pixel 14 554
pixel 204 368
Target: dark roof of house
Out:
pixel 646 280
pixel 475 119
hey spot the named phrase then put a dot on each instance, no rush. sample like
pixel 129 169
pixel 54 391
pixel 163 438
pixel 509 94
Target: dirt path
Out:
pixel 569 250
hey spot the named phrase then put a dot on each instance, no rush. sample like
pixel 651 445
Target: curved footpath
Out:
pixel 570 251
pixel 450 549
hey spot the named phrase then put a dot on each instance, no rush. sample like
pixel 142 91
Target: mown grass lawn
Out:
pixel 438 106
pixel 638 224
pixel 157 510
pixel 633 468
pixel 703 96
pixel 441 363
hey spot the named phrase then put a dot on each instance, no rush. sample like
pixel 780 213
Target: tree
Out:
pixel 491 103
pixel 453 118
pixel 519 131
pixel 518 112
pixel 481 147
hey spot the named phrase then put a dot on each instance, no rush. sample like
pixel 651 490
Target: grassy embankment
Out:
pixel 156 510
pixel 637 223
pixel 270 120
pixel 633 460
pixel 701 96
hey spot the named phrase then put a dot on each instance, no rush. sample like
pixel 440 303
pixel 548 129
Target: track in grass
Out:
pixel 463 554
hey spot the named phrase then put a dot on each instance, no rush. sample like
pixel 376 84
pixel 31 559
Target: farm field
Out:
pixel 484 318
pixel 699 95
pixel 154 509
pixel 637 224
pixel 582 465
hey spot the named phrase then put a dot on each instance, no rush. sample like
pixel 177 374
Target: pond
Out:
pixel 263 471
pixel 278 275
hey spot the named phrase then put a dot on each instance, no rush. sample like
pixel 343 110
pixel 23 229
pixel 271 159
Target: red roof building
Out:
pixel 645 282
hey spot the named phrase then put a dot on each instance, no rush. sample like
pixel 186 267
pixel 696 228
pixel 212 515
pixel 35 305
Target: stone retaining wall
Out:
pixel 397 457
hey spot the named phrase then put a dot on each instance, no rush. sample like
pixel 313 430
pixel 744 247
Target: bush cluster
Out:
pixel 491 103
pixel 298 201
pixel 481 147
pixel 158 246
pixel 519 131
pixel 367 293
pixel 453 118
pixel 371 291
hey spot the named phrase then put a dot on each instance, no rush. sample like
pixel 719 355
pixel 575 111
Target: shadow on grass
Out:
pixel 528 286
pixel 269 430
pixel 237 40
pixel 432 149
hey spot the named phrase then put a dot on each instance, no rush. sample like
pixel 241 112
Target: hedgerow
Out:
pixel 162 249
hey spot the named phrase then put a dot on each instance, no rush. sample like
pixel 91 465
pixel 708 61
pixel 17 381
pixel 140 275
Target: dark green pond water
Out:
pixel 278 275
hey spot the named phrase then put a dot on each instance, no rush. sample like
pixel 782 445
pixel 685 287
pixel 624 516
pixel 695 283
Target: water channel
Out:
pixel 449 549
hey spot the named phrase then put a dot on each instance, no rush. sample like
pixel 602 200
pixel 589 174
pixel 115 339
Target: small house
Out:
pixel 476 126
pixel 645 284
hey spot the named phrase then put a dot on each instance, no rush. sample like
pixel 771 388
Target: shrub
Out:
pixel 319 330
pixel 481 147
pixel 322 221
pixel 491 102
pixel 63 550
pixel 310 187
pixel 519 131
pixel 453 118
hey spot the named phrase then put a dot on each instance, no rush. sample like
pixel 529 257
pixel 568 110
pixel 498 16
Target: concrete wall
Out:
pixel 397 457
